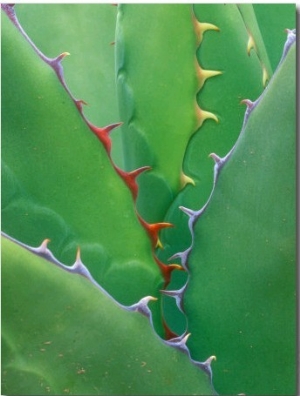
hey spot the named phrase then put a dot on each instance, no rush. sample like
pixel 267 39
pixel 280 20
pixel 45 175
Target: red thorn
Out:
pixel 169 334
pixel 103 134
pixel 79 104
pixel 167 270
pixel 153 230
pixel 130 178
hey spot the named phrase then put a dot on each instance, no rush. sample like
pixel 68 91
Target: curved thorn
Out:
pixel 177 295
pixel 183 256
pixel 167 270
pixel 142 307
pixel 60 57
pixel 180 343
pixel 206 366
pixel 184 180
pixel 130 178
pixel 103 134
pixel 79 103
pixel 153 230
pixel 216 158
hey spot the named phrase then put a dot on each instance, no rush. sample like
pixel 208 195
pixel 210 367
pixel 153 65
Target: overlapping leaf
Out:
pixel 241 299
pixel 62 335
pixel 58 181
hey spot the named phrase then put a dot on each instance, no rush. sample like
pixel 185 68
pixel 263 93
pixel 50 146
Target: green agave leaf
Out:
pixel 62 335
pixel 227 75
pixel 58 181
pixel 157 85
pixel 279 17
pixel 223 51
pixel 255 41
pixel 241 298
pixel 89 71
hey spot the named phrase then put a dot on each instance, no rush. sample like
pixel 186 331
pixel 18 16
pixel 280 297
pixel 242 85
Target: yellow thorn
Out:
pixel 62 56
pixel 203 75
pixel 210 359
pixel 78 254
pixel 159 244
pixel 203 115
pixel 186 337
pixel 184 180
pixel 250 45
pixel 265 76
pixel 202 27
pixel 44 244
pixel 153 298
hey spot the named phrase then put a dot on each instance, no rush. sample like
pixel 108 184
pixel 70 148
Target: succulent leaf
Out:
pixel 157 85
pixel 112 351
pixel 242 265
pixel 59 182
pixel 279 17
pixel 181 206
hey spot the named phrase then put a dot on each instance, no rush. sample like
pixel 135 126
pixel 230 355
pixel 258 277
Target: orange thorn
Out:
pixel 153 230
pixel 167 270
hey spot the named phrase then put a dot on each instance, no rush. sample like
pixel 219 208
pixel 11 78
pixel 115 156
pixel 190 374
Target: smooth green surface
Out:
pixel 241 300
pixel 61 335
pixel 58 182
pixel 279 17
pixel 90 70
pixel 256 42
pixel 157 86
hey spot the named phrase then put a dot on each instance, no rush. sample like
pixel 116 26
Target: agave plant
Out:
pixel 153 231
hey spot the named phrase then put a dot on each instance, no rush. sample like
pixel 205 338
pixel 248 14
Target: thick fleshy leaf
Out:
pixel 227 74
pixel 240 77
pixel 58 181
pixel 279 17
pixel 157 86
pixel 62 335
pixel 241 298
pixel 90 71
